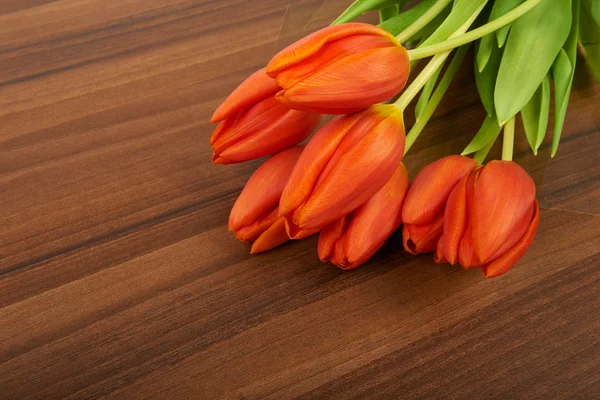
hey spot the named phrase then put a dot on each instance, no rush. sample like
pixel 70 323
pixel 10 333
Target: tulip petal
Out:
pixel 373 222
pixel 466 254
pixel 504 196
pixel 220 130
pixel 355 81
pixel 265 128
pixel 366 123
pixel 313 160
pixel 507 260
pixel 330 53
pixel 518 232
pixel 432 186
pixel 311 44
pixel 260 116
pixel 274 236
pixel 358 172
pixel 418 239
pixel 438 256
pixel 250 233
pixel 257 87
pixel 339 258
pixel 456 217
pixel 294 232
pixel 329 236
pixel 263 190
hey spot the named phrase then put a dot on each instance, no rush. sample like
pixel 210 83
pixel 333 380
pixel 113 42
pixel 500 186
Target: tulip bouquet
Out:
pixel 348 184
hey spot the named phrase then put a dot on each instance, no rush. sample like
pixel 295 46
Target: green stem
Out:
pixel 432 66
pixel 423 20
pixel 492 26
pixel 426 93
pixel 508 140
pixel 420 81
pixel 436 97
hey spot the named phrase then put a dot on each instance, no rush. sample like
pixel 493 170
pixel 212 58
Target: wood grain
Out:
pixel 120 280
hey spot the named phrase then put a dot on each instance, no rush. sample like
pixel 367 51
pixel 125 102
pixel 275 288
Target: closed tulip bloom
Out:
pixel 354 238
pixel 490 219
pixel 423 211
pixel 255 217
pixel 345 163
pixel 254 124
pixel 341 69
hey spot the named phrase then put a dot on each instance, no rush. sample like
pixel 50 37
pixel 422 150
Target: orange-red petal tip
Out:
pixel 220 160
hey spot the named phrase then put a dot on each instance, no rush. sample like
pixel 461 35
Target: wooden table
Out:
pixel 120 279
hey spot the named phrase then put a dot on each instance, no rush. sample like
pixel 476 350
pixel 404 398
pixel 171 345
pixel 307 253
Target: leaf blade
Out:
pixel 563 70
pixel 543 29
pixel 431 26
pixel 461 11
pixel 535 115
pixel 589 38
pixel 361 6
pixel 486 80
pixel 484 51
pixel 403 20
pixel 486 43
pixel 596 12
pixel 500 8
pixel 388 12
pixel 490 129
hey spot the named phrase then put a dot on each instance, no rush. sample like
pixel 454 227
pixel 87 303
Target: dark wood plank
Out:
pixel 120 280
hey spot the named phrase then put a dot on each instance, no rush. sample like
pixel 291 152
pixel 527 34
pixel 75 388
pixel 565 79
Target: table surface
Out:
pixel 120 279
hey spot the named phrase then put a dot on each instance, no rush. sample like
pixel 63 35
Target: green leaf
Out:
pixel 362 6
pixel 596 11
pixel 388 12
pixel 432 26
pixel 500 8
pixel 462 10
pixel 533 43
pixel 589 37
pixel 426 92
pixel 563 71
pixel 486 43
pixel 535 115
pixel 570 45
pixel 486 80
pixel 482 153
pixel 402 21
pixel 488 132
pixel 484 51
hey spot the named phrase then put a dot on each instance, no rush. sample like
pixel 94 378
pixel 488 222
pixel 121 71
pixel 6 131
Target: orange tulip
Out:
pixel 255 217
pixel 340 69
pixel 490 219
pixel 423 211
pixel 354 238
pixel 254 124
pixel 346 162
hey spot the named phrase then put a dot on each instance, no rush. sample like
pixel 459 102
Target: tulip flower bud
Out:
pixel 345 163
pixel 255 217
pixel 354 238
pixel 254 124
pixel 423 212
pixel 341 69
pixel 490 218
